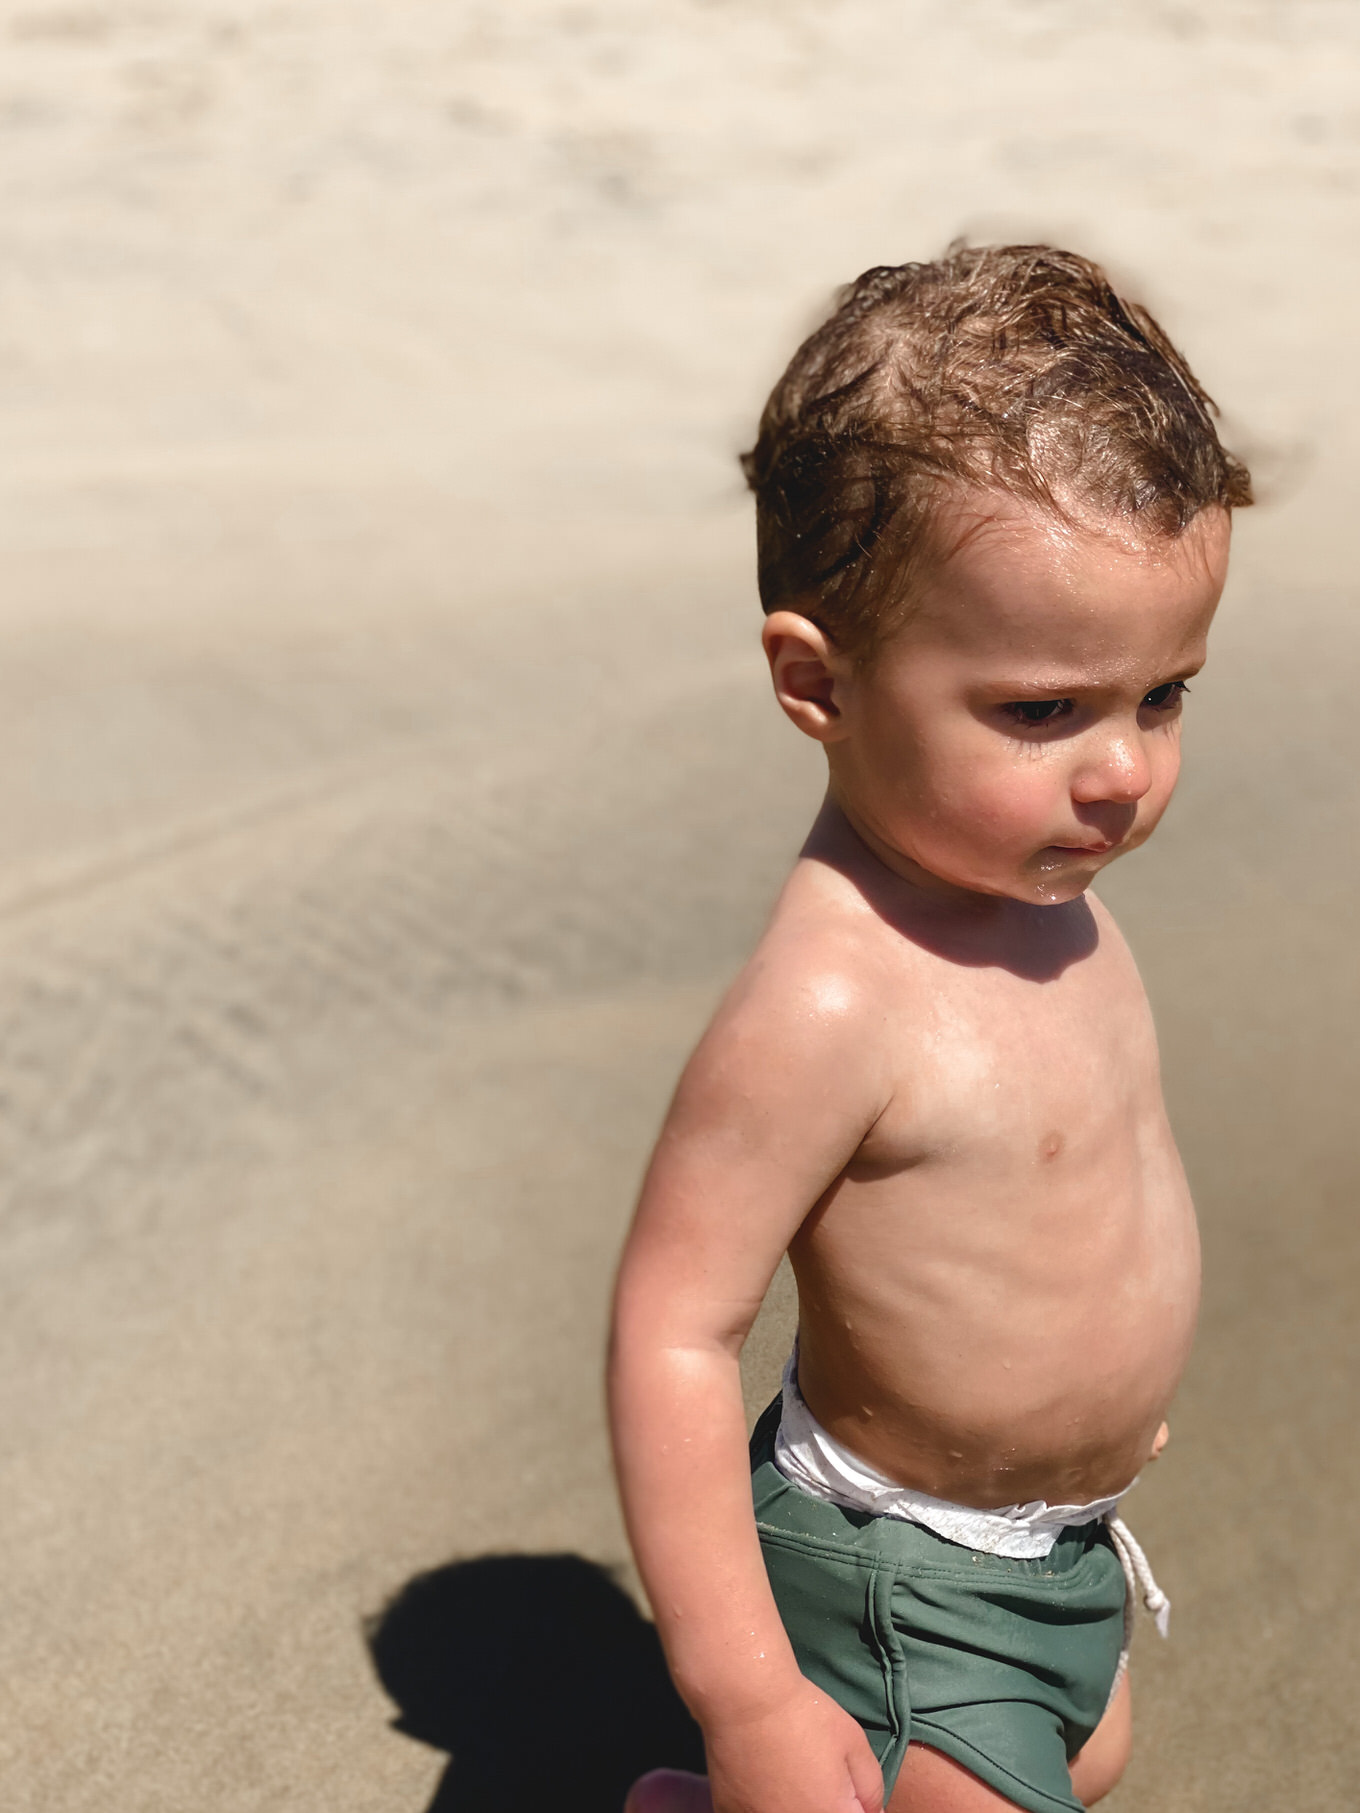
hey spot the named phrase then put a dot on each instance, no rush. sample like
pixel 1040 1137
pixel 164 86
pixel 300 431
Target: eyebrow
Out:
pixel 1049 684
pixel 1057 686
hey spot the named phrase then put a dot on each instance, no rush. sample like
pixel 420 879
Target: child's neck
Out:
pixel 960 924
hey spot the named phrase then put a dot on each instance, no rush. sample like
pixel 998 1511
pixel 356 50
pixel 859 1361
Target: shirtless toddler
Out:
pixel 993 517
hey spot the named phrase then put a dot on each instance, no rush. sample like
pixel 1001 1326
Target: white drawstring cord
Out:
pixel 1139 1577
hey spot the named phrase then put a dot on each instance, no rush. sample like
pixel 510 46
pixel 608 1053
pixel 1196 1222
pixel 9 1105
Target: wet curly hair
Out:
pixel 1019 369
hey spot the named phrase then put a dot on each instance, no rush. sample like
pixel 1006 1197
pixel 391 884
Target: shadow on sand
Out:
pixel 539 1676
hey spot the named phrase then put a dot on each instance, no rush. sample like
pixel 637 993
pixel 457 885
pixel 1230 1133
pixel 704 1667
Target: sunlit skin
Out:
pixel 936 1085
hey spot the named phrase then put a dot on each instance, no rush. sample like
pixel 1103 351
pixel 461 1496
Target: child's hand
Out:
pixel 805 1756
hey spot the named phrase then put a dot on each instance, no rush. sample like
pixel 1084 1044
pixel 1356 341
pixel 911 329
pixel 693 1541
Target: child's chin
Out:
pixel 1046 889
pixel 1052 885
pixel 1053 892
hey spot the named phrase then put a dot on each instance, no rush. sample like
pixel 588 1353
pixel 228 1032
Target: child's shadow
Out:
pixel 539 1676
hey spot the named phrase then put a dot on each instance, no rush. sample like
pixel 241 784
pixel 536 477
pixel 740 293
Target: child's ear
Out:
pixel 809 675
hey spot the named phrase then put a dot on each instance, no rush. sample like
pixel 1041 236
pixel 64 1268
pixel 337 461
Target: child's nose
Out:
pixel 1117 770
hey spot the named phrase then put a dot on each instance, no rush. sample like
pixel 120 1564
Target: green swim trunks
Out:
pixel 1005 1666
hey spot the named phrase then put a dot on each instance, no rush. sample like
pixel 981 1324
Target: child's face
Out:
pixel 1022 729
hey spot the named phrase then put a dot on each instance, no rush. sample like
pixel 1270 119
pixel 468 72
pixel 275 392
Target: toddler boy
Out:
pixel 993 518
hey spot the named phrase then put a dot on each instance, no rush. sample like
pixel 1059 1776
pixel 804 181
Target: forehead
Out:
pixel 1012 580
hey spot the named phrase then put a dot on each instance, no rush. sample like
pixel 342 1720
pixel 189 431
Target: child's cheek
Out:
pixel 1166 767
pixel 1017 805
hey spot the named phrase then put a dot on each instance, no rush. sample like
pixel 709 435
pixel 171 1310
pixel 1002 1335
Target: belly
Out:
pixel 992 1351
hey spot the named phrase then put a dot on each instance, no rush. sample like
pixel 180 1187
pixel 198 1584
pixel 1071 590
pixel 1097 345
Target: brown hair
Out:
pixel 1016 368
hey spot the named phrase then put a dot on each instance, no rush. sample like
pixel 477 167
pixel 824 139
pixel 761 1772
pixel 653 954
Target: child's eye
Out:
pixel 1038 711
pixel 1162 698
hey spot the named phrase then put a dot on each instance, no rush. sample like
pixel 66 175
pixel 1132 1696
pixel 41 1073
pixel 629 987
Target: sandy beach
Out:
pixel 389 785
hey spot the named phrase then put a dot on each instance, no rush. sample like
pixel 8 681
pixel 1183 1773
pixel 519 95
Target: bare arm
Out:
pixel 773 1105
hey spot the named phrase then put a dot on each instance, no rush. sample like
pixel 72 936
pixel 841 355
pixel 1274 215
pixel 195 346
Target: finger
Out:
pixel 669 1791
pixel 866 1778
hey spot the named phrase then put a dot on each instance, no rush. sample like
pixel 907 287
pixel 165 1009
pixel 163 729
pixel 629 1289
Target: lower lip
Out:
pixel 1081 849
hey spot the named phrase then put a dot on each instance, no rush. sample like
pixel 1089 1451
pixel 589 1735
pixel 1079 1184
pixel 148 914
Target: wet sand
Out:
pixel 389 786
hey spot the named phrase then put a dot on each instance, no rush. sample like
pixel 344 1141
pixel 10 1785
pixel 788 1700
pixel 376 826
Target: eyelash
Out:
pixel 1173 691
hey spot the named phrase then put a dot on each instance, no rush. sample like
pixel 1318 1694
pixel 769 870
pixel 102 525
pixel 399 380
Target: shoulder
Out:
pixel 812 997
pixel 1118 977
pixel 821 956
pixel 1111 941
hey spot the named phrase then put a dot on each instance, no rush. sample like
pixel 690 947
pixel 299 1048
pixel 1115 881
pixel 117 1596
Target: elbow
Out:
pixel 656 1330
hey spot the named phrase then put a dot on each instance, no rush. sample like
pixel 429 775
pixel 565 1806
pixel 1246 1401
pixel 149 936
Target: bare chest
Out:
pixel 989 1067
